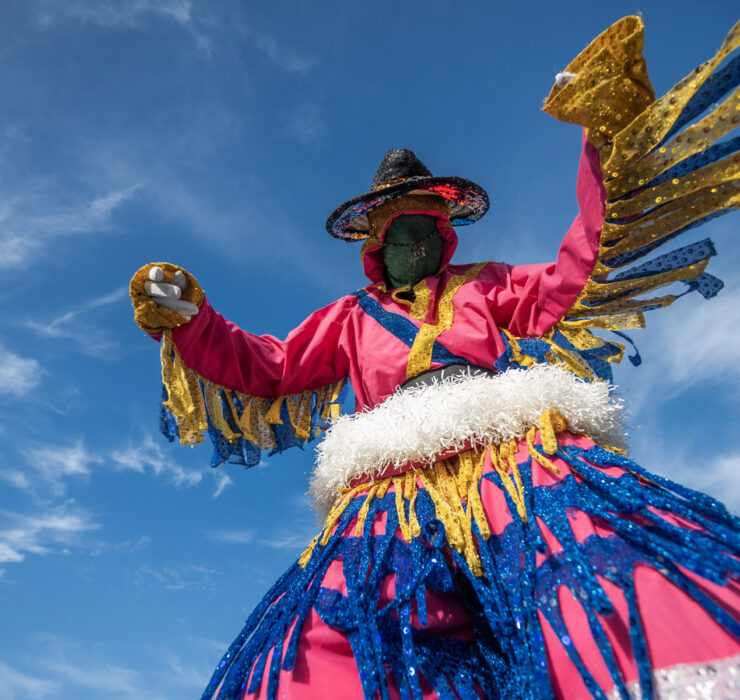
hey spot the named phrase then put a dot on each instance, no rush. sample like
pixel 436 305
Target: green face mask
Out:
pixel 412 250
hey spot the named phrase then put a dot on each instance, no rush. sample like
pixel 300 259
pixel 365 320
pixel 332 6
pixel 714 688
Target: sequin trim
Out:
pixel 522 579
pixel 662 179
pixel 452 483
pixel 420 357
pixel 709 680
pixel 239 425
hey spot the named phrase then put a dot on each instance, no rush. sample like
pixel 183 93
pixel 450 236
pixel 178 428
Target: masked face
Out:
pixel 412 250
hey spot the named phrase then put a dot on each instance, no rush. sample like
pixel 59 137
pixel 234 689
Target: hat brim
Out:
pixel 469 202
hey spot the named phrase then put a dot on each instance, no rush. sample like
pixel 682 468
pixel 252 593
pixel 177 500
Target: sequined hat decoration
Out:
pixel 400 173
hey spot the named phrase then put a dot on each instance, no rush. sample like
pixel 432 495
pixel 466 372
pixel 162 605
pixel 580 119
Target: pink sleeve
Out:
pixel 533 298
pixel 312 355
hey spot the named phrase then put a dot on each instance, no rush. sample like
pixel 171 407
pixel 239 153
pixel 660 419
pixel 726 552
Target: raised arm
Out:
pixel 665 169
pixel 533 298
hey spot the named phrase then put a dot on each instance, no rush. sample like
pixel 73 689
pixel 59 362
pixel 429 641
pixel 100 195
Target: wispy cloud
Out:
pixel 189 577
pixel 15 685
pixel 148 455
pixel 222 482
pixel 71 669
pixel 18 375
pixel 127 14
pixel 231 536
pixel 86 675
pixel 307 124
pixel 183 673
pixel 114 13
pixel 43 533
pixel 288 540
pixel 52 465
pixel 24 232
pixel 701 343
pixel 49 468
pixel 686 346
pixel 74 326
pixel 279 54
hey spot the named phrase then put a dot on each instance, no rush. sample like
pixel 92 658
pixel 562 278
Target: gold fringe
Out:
pixel 612 97
pixel 420 356
pixel 192 400
pixel 454 486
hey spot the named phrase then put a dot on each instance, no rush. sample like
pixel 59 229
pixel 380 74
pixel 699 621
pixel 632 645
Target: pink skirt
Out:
pixel 505 572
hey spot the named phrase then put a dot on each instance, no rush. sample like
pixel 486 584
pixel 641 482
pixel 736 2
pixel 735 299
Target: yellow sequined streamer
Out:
pixel 420 356
pixel 612 97
pixel 192 400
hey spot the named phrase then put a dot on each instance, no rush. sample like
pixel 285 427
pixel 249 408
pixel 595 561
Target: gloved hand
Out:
pixel 562 79
pixel 164 296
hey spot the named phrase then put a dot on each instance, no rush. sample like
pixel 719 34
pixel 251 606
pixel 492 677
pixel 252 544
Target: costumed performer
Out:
pixel 486 534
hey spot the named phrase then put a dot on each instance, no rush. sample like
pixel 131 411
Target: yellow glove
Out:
pixel 164 296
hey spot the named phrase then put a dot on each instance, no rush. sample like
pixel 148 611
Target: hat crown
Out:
pixel 398 164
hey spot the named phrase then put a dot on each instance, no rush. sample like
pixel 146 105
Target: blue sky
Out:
pixel 219 136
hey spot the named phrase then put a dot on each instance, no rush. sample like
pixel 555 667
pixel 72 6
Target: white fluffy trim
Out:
pixel 417 424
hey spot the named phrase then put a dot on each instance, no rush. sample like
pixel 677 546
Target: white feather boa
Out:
pixel 420 423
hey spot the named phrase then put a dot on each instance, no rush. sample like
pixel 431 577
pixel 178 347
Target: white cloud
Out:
pixel 115 13
pixel 178 578
pixel 18 375
pixel 222 482
pixel 50 467
pixel 282 540
pixel 24 232
pixel 279 54
pixel 126 14
pixel 74 670
pixel 149 455
pixel 72 325
pixel 716 476
pixel 289 540
pixel 15 685
pixel 50 531
pixel 107 678
pixel 52 464
pixel 184 674
pixel 232 536
pixel 307 123
pixel 701 343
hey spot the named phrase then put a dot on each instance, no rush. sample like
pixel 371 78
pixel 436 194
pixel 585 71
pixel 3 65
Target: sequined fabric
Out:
pixel 662 179
pixel 240 426
pixel 715 680
pixel 511 539
pixel 151 317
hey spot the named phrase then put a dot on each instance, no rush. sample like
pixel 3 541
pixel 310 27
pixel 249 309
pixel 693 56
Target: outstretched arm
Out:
pixel 312 355
pixel 247 392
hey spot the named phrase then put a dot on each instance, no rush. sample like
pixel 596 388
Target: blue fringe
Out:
pixel 507 657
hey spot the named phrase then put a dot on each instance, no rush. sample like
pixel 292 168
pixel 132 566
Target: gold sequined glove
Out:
pixel 607 85
pixel 164 296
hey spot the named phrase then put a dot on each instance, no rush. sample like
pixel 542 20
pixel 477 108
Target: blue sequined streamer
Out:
pixel 507 656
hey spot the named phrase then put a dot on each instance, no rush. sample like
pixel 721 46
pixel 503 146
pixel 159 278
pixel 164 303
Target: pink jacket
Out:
pixel 368 335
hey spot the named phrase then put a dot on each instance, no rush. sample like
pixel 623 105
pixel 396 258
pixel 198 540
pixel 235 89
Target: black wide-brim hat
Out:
pixel 402 172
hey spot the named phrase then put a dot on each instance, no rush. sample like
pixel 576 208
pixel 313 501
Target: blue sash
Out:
pixel 403 329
